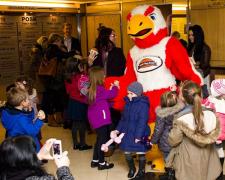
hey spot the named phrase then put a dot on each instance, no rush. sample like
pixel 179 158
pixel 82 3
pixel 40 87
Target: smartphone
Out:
pixel 57 148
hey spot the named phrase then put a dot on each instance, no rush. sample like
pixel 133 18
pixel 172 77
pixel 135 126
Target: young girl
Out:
pixel 27 84
pixel 194 132
pixel 216 101
pixel 164 122
pixel 134 123
pixel 99 113
pixel 77 106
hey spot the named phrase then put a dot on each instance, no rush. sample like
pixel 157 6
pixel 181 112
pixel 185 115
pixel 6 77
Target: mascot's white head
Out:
pixel 146 26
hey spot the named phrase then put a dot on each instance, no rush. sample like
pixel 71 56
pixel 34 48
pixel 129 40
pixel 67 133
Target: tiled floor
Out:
pixel 80 160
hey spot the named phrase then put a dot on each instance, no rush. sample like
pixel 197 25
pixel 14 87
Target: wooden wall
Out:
pixel 210 14
pixel 114 16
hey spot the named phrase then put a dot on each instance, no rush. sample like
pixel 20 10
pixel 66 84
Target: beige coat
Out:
pixel 194 156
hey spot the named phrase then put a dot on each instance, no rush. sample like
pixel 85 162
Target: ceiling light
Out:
pixel 36 4
pixel 179 7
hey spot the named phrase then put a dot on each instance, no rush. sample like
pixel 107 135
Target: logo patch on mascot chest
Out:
pixel 148 63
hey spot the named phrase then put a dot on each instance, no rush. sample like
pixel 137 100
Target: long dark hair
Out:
pixel 71 68
pixel 103 42
pixel 199 41
pixel 18 154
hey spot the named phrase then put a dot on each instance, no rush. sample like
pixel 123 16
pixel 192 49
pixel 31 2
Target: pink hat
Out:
pixel 218 87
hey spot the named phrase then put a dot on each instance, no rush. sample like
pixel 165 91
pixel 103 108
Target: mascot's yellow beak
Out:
pixel 140 26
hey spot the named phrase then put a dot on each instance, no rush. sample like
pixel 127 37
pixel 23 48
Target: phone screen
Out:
pixel 56 149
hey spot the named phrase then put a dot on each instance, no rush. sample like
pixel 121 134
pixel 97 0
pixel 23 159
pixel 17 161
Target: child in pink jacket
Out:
pixel 216 101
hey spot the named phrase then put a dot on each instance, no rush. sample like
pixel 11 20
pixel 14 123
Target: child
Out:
pixel 134 123
pixel 164 122
pixel 26 83
pixel 18 121
pixel 194 132
pixel 99 113
pixel 77 106
pixel 217 102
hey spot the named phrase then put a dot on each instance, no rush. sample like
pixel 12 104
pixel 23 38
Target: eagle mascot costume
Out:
pixel 156 61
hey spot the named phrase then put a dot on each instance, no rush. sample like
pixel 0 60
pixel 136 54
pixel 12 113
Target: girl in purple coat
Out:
pixel 99 113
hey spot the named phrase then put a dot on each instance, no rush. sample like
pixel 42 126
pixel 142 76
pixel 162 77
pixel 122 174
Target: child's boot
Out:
pixel 130 162
pixel 141 171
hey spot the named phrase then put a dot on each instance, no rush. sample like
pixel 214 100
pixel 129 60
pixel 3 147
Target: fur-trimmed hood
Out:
pixel 187 125
pixel 166 111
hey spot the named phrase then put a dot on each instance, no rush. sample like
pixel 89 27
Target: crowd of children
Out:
pixel 189 130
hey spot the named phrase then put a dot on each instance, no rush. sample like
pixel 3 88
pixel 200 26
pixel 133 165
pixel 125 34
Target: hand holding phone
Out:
pixel 92 56
pixel 44 152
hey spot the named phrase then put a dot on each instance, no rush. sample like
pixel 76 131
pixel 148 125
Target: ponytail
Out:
pixel 192 95
pixel 198 115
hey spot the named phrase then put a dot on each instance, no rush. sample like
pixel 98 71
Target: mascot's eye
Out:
pixel 152 16
pixel 140 23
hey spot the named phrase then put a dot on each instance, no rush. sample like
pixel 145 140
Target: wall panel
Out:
pixel 212 21
pixel 108 20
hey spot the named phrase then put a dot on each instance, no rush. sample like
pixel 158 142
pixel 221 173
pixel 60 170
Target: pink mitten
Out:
pixel 119 138
pixel 105 147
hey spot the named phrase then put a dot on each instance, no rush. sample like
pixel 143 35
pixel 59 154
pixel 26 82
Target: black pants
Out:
pixel 54 96
pixel 79 126
pixel 116 116
pixel 102 138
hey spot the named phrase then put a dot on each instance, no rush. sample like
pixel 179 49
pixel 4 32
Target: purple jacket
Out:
pixel 98 112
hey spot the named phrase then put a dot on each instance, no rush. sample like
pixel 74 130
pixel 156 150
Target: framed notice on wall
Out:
pixel 17 36
pixel 29 30
pixel 9 57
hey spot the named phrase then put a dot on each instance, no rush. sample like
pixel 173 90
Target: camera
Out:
pixel 57 148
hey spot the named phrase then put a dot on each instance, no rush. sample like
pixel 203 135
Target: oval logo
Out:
pixel 148 63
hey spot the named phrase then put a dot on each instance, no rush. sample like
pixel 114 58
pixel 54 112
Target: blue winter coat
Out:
pixel 17 122
pixel 164 123
pixel 134 123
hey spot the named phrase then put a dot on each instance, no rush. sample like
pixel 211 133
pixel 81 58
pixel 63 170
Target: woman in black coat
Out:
pixel 54 96
pixel 200 52
pixel 110 57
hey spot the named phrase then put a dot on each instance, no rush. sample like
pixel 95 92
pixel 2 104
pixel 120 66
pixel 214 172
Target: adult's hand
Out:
pixel 44 152
pixel 62 160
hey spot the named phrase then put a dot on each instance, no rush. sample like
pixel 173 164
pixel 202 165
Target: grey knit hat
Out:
pixel 136 88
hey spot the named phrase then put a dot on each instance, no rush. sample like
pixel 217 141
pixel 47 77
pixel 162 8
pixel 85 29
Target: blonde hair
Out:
pixel 15 96
pixel 42 41
pixel 168 99
pixel 53 37
pixel 192 95
pixel 27 82
pixel 96 76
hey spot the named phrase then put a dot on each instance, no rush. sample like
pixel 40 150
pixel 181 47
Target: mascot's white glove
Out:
pixel 62 160
pixel 113 134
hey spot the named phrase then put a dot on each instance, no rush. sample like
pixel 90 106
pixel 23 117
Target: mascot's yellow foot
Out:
pixel 155 157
